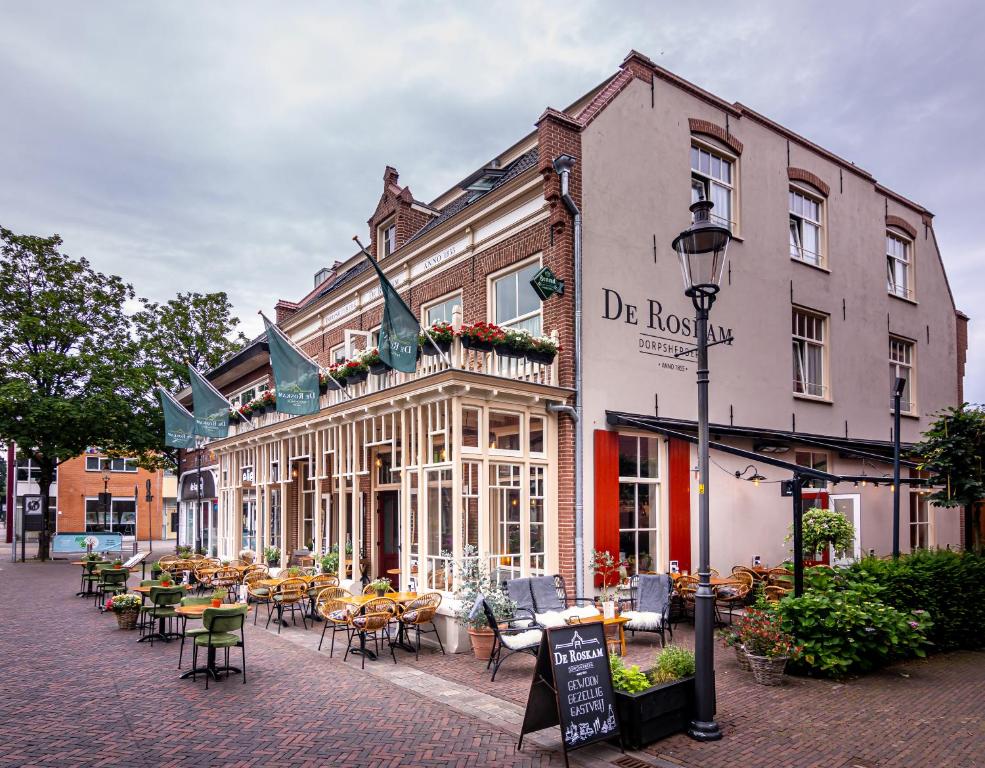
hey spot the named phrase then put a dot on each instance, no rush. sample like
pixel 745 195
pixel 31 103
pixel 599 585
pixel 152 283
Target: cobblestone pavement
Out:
pixel 77 691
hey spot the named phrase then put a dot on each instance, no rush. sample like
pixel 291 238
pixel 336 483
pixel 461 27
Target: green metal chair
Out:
pixel 163 600
pixel 89 577
pixel 112 581
pixel 194 631
pixel 221 625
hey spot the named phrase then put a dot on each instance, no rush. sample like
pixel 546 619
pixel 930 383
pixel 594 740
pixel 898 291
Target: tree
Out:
pixel 70 371
pixel 191 327
pixel 952 452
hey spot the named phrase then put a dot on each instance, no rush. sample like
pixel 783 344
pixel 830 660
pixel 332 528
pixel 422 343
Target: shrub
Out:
pixel 950 586
pixel 762 633
pixel 628 679
pixel 672 663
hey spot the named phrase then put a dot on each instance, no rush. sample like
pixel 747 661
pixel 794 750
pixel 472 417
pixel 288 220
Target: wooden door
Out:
pixel 388 533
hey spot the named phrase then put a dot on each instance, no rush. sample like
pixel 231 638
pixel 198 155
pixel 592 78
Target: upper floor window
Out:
pixel 97 463
pixel 29 471
pixel 248 395
pixel 814 460
pixel 713 178
pixel 805 227
pixel 516 304
pixel 899 250
pixel 336 354
pixel 387 239
pixel 808 353
pixel 901 367
pixel 441 312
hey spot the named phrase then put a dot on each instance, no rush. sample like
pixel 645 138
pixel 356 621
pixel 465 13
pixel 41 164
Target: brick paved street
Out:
pixel 77 691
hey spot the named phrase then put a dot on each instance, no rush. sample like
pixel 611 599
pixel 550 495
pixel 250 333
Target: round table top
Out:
pixel 193 611
pixel 394 572
pixel 278 580
pixel 397 597
pixel 146 590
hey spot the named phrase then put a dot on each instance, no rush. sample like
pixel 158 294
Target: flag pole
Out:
pixel 301 352
pixel 444 355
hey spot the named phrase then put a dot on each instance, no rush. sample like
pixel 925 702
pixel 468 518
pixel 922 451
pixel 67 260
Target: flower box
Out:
pixel 378 369
pixel 655 713
pixel 357 376
pixel 435 349
pixel 541 356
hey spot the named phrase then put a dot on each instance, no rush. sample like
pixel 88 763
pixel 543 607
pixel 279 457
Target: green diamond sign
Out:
pixel 546 284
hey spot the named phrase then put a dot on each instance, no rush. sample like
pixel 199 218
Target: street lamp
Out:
pixel 898 389
pixel 105 499
pixel 702 250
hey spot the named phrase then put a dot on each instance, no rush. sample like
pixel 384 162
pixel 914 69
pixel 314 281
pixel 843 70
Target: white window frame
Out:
pixel 258 387
pixel 799 220
pixel 636 480
pixel 708 180
pixel 816 389
pixel 386 238
pixel 536 560
pixel 899 265
pixel 480 421
pixel 336 354
pixel 920 502
pixel 521 319
pixel 902 364
pixel 543 433
pixel 447 298
pixel 99 463
pixel 520 433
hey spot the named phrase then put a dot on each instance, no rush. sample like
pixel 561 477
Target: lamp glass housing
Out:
pixel 702 250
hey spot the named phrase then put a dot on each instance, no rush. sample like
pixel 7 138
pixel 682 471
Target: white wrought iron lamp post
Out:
pixel 702 249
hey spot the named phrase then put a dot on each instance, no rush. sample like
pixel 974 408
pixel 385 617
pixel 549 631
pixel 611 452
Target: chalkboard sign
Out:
pixel 572 687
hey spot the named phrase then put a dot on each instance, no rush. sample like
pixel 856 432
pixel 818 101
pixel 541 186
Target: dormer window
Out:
pixel 386 238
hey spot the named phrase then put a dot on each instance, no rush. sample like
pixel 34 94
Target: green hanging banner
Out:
pixel 211 408
pixel 295 376
pixel 399 329
pixel 179 424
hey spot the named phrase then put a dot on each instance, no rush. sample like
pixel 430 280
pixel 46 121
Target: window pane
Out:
pixel 645 502
pixel 505 289
pixel 536 435
pixel 648 457
pixel 504 431
pixel 627 456
pixel 527 300
pixel 647 549
pixel 627 505
pixel 470 427
pixel 722 198
pixel 627 547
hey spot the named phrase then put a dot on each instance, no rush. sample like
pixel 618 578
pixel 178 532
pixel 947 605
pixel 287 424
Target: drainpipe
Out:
pixel 562 166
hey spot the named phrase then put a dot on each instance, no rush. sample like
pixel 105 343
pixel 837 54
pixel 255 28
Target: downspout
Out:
pixel 562 166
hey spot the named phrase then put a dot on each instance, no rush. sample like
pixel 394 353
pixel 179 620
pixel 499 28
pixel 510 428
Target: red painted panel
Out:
pixel 679 497
pixel 607 491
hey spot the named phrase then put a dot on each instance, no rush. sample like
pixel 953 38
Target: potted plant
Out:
pixel 514 344
pixel 355 371
pixel 730 638
pixel 330 561
pixel 657 703
pixel 604 566
pixel 381 586
pixel 166 579
pixel 323 383
pixel 482 337
pixel 234 417
pixel 371 359
pixel 272 556
pixel 127 609
pixel 294 572
pixel 442 335
pixel 268 401
pixel 117 563
pixel 218 595
pixel 824 528
pixel 768 647
pixel 543 349
pixel 475 582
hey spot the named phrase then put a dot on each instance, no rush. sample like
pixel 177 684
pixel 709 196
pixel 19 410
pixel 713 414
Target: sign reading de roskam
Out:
pixel 572 687
pixel 546 284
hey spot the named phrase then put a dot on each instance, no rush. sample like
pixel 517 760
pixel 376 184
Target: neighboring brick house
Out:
pixel 828 267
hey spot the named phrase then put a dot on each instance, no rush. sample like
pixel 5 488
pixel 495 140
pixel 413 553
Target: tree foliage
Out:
pixel 952 451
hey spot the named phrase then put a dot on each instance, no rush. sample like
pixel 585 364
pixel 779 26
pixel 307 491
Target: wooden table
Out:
pixel 146 590
pixel 618 621
pixel 195 612
pixel 397 597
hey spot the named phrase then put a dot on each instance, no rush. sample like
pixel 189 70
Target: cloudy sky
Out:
pixel 240 145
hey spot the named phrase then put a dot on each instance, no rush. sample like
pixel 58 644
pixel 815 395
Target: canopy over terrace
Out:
pixel 404 476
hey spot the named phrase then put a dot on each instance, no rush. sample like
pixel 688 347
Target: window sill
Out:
pixel 813 398
pixel 906 415
pixel 908 300
pixel 818 267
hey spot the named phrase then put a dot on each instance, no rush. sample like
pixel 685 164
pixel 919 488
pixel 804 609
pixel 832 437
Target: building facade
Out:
pixel 833 282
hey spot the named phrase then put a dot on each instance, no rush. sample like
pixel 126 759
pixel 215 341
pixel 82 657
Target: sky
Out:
pixel 239 146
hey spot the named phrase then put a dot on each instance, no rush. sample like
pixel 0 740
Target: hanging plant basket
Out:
pixel 537 356
pixel 766 670
pixel 378 369
pixel 357 377
pixel 429 349
pixel 127 619
pixel 471 342
pixel 322 387
pixel 512 353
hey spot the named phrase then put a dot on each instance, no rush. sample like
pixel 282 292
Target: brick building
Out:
pixel 832 276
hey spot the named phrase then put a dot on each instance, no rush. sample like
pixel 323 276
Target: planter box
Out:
pixel 378 369
pixel 544 358
pixel 471 342
pixel 514 354
pixel 655 713
pixel 356 377
pixel 427 348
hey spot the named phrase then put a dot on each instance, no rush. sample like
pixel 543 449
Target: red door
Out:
pixel 815 498
pixel 388 530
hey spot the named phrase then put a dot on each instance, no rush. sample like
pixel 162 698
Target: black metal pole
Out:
pixel 897 394
pixel 703 727
pixel 198 513
pixel 798 536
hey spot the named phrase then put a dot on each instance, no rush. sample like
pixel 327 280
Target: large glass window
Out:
pixel 815 460
pixel 274 532
pixel 805 227
pixel 504 501
pixel 898 249
pixel 27 470
pixel 901 367
pixel 249 520
pixel 808 353
pixel 517 305
pixel 919 521
pixel 504 431
pixel 712 179
pixel 470 427
pixel 471 477
pixel 439 528
pixel 412 503
pixel 538 477
pixel 442 311
pixel 121 517
pixel 638 502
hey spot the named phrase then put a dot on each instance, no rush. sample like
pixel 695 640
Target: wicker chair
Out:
pixel 204 572
pixel 731 595
pixel 687 588
pixel 226 578
pixel 775 594
pixel 779 577
pixel 417 613
pixel 292 594
pixel 337 614
pixel 316 585
pixel 372 622
pixel 368 590
pixel 257 592
pixel 742 569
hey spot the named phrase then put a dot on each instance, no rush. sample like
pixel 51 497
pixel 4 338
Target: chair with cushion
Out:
pixel 337 614
pixel 204 571
pixel 194 631
pixel 518 590
pixel 779 577
pixel 257 592
pixel 649 601
pixel 553 607
pixel 774 594
pixel 317 584
pixel 729 596
pixel 372 622
pixel 510 639
pixel 163 600
pixel 291 594
pixel 417 613
pixel 687 588
pixel 221 625
pixel 227 579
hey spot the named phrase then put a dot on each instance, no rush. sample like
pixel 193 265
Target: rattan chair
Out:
pixel 372 622
pixel 775 594
pixel 779 577
pixel 228 579
pixel 336 613
pixel 416 614
pixel 368 590
pixel 290 594
pixel 258 593
pixel 731 595
pixel 317 584
pixel 687 588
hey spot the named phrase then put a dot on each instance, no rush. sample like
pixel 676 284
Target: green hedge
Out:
pixel 950 586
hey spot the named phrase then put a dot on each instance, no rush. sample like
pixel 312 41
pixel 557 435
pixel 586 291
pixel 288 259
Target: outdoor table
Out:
pixel 276 582
pixel 160 634
pixel 619 622
pixel 397 597
pixel 195 612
